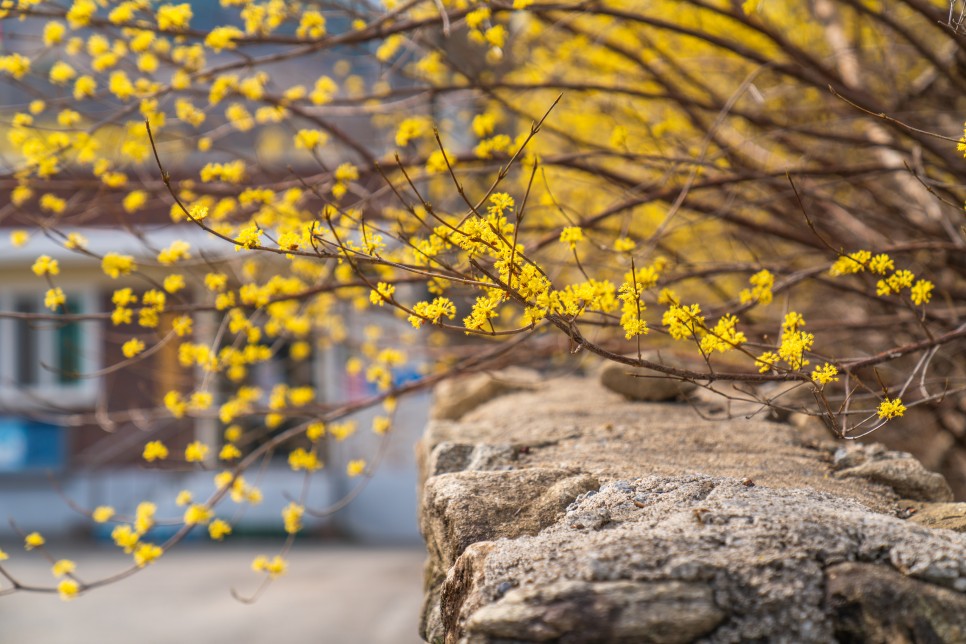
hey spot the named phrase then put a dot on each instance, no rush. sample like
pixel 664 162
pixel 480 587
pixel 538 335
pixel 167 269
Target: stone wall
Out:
pixel 560 511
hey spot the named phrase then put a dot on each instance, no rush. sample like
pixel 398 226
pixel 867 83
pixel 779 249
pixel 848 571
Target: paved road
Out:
pixel 332 594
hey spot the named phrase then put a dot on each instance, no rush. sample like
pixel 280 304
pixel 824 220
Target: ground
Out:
pixel 333 593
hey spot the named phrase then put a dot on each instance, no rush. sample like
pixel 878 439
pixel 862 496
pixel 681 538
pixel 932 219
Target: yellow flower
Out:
pixel 115 265
pixel 125 537
pixel 132 348
pixel 436 162
pixel 825 374
pixel 54 298
pixel 33 540
pixel 292 516
pixel 16 65
pixel 102 513
pixel 197 513
pixel 881 264
pixel 146 553
pixel 19 237
pixel 200 400
pixel 134 200
pixel 624 244
pixel 195 452
pixel 233 433
pixel 61 72
pixel 155 450
pixel 20 195
pixel 767 361
pixel 312 25
pixel 346 172
pixel 762 283
pixel 248 237
pixel 315 431
pixel 382 293
pixel 851 263
pixel 221 38
pixel 68 589
pixel 380 425
pixel 413 128
pixel 355 467
pixel 63 567
pixel 274 567
pixel 84 87
pixel 433 311
pixel 921 292
pixel 218 529
pixel 342 431
pixel 891 408
pixel 181 325
pixel 144 516
pixel 389 47
pixel 52 203
pixel 3 555
pixel 229 452
pixel 571 235
pixel 174 283
pixel 300 459
pixel 54 33
pixel 178 250
pixel 683 321
pixel 45 266
pixel 310 139
pixel 75 241
pixel 173 17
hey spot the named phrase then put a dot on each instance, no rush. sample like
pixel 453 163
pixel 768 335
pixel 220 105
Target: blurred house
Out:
pixel 72 429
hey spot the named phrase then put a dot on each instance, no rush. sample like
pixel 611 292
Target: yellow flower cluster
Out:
pixel 274 567
pixel 889 409
pixel 155 451
pixel 920 291
pixel 292 517
pixel 825 374
pixel 760 291
pixel 433 311
pixel 302 459
pixel 355 467
pixel 239 490
pixel 795 344
pixel 219 529
pixel 197 514
pixel 115 264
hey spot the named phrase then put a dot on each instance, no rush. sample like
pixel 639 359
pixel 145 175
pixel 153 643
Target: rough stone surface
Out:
pixel 899 470
pixel 642 384
pixel 456 397
pixel 604 611
pixel 570 514
pixel 875 604
pixel 950 516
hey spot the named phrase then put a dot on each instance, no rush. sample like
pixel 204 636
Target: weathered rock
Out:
pixel 906 476
pixel 871 603
pixel 948 516
pixel 480 506
pixel 453 398
pixel 725 529
pixel 642 384
pixel 604 611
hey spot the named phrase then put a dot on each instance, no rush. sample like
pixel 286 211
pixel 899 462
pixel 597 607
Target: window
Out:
pixel 44 359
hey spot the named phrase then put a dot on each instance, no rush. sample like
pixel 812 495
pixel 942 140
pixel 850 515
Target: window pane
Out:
pixel 25 344
pixel 69 346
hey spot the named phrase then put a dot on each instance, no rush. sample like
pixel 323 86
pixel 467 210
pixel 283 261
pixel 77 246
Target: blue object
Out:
pixel 28 445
